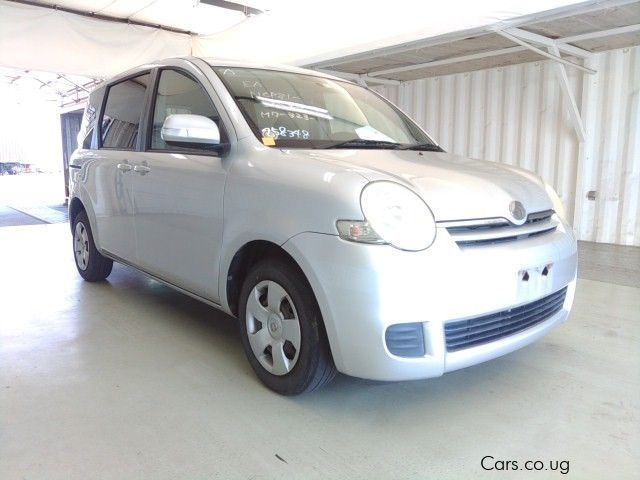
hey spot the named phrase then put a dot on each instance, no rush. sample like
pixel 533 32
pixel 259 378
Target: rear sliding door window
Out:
pixel 122 113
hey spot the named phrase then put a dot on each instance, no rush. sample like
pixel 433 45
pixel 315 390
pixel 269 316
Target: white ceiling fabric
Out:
pixel 188 15
pixel 292 32
pixel 34 38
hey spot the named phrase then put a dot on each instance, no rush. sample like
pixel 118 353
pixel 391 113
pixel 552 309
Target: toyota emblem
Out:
pixel 517 211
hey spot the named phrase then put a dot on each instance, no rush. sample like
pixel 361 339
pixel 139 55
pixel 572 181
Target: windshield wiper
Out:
pixel 427 147
pixel 366 143
pixel 361 142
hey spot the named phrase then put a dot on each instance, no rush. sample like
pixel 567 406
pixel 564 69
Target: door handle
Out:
pixel 141 169
pixel 124 167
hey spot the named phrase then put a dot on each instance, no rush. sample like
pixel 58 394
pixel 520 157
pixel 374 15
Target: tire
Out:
pixel 91 264
pixel 305 366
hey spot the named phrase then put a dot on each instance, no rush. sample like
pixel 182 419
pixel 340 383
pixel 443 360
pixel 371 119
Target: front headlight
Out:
pixel 394 215
pixel 558 207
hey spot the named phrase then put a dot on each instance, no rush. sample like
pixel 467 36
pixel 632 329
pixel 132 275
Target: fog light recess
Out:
pixel 405 340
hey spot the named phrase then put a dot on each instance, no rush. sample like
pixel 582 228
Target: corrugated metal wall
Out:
pixel 516 115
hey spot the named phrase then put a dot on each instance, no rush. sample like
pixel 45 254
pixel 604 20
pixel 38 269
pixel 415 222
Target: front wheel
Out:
pixel 91 265
pixel 282 331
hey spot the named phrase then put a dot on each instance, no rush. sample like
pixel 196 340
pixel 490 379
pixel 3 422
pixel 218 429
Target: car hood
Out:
pixel 454 187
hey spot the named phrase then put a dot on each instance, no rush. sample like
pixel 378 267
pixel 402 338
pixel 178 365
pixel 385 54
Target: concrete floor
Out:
pixel 10 217
pixel 32 199
pixel 128 379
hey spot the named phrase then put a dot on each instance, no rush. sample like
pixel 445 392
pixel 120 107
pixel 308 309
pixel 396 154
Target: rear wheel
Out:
pixel 281 329
pixel 91 265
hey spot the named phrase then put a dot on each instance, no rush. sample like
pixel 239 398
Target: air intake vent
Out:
pixel 460 334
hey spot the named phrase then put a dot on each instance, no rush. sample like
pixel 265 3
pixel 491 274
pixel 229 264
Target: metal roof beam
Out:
pixel 562 12
pixel 561 43
pixel 567 94
pixel 97 16
pixel 385 81
pixel 602 33
pixel 45 84
pixel 446 61
pixel 394 49
pixel 539 51
pixel 79 87
pixel 522 21
pixel 238 7
pixel 359 78
pixel 548 42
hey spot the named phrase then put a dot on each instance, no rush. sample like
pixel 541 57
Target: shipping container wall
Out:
pixel 517 115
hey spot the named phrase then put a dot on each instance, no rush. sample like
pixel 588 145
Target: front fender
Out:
pixel 273 195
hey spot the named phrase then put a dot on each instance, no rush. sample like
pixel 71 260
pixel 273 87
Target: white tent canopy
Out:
pixel 36 38
pixel 302 36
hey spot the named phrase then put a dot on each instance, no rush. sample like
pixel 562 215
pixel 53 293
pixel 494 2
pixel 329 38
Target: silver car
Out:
pixel 334 228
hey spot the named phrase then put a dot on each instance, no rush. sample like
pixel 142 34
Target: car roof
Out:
pixel 221 62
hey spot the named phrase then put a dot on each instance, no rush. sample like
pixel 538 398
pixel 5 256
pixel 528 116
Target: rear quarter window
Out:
pixel 120 126
pixel 87 127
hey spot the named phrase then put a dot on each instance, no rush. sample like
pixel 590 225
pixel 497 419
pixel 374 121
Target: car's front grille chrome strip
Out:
pixel 489 231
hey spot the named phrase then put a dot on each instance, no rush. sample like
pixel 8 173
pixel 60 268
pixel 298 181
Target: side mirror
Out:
pixel 190 129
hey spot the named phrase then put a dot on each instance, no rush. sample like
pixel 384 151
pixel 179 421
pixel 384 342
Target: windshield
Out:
pixel 304 111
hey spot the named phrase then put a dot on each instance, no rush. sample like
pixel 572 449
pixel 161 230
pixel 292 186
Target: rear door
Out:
pixel 118 139
pixel 178 191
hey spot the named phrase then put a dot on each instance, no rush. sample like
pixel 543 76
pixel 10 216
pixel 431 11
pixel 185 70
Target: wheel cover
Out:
pixel 81 246
pixel 273 327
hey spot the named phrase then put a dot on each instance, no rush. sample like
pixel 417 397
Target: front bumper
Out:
pixel 364 289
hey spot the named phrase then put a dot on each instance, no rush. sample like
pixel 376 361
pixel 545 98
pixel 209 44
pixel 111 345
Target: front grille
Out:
pixel 460 334
pixel 539 216
pixel 489 231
